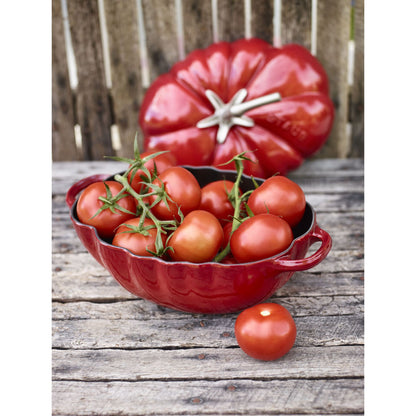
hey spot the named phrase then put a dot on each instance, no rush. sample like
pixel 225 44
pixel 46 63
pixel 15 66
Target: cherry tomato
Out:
pixel 259 237
pixel 197 239
pixel 109 218
pixel 162 162
pixel 128 236
pixel 280 196
pixel 214 198
pixel 266 331
pixel 184 190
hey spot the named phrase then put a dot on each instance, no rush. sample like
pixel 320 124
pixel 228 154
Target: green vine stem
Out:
pixel 146 212
pixel 236 199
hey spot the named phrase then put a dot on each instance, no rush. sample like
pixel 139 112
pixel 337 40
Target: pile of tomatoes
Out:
pixel 159 209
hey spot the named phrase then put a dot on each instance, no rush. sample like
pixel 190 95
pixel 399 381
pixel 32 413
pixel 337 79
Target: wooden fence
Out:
pixel 118 47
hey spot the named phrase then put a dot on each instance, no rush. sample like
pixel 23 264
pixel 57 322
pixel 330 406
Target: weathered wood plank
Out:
pixel 357 93
pixel 230 20
pixel 322 176
pixel 262 20
pixel 126 91
pixel 206 397
pixel 332 50
pixel 63 120
pixel 205 363
pixel 97 285
pixel 215 331
pixel 300 306
pixel 296 22
pixel 161 35
pixel 197 18
pixel 93 105
pixel 313 167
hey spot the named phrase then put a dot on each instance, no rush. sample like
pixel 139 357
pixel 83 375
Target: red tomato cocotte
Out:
pixel 240 96
pixel 266 331
pixel 259 237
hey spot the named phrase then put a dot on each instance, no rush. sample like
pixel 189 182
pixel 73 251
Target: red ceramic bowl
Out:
pixel 206 287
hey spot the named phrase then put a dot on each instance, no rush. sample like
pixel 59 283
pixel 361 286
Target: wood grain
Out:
pixel 226 397
pixel 161 35
pixel 357 92
pixel 197 18
pixel 332 50
pixel 126 91
pixel 230 20
pixel 93 109
pixel 63 120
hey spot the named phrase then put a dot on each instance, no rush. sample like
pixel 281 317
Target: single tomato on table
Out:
pixel 182 189
pixel 265 331
pixel 97 206
pixel 197 239
pixel 259 237
pixel 280 196
pixel 140 240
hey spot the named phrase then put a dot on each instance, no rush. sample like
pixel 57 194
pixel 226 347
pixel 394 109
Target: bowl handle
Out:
pixel 77 187
pixel 307 263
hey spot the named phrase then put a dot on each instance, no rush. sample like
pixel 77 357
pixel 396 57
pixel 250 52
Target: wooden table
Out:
pixel 115 354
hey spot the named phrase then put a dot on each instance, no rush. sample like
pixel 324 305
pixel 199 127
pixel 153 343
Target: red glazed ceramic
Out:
pixel 241 95
pixel 206 287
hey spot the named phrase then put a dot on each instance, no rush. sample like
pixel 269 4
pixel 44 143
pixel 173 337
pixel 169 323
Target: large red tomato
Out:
pixel 280 196
pixel 183 192
pixel 214 199
pixel 266 331
pixel 139 240
pixel 197 239
pixel 223 100
pixel 105 216
pixel 259 237
pixel 159 163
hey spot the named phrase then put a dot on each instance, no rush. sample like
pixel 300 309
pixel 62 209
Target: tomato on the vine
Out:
pixel 265 331
pixel 139 240
pixel 259 237
pixel 98 207
pixel 197 239
pixel 215 199
pixel 182 189
pixel 280 196
pixel 159 163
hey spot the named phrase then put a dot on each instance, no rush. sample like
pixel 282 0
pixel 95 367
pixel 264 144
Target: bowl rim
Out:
pixel 75 219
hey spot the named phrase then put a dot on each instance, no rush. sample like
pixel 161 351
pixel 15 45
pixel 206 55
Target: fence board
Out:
pixel 92 100
pixel 63 138
pixel 332 50
pixel 230 20
pixel 262 20
pixel 161 35
pixel 126 91
pixel 296 22
pixel 357 94
pixel 197 18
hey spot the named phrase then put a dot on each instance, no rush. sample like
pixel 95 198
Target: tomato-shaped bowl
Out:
pixel 205 287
